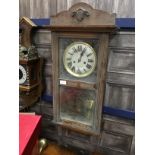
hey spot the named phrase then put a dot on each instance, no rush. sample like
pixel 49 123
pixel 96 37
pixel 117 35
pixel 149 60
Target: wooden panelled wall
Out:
pixel 46 8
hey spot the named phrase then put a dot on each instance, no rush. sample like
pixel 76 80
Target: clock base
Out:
pixel 29 97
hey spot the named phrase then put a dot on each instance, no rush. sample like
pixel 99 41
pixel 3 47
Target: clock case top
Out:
pixel 81 22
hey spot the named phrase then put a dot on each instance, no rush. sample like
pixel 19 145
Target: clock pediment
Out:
pixel 83 16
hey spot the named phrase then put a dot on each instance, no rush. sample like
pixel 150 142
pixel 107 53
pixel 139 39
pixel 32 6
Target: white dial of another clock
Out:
pixel 22 74
pixel 79 59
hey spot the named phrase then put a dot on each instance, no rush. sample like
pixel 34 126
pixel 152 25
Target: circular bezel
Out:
pixel 69 70
pixel 23 79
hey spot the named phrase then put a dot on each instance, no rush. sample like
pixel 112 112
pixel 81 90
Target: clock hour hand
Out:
pixel 81 54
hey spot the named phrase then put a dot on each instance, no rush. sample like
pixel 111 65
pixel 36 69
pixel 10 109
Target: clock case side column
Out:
pixel 55 75
pixel 101 79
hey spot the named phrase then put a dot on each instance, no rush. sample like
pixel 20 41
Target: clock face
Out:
pixel 79 59
pixel 22 74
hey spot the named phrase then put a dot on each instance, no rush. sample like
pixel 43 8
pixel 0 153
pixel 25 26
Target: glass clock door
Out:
pixel 77 105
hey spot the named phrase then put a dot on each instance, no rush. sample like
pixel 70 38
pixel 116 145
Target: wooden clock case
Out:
pixel 80 23
pixel 30 89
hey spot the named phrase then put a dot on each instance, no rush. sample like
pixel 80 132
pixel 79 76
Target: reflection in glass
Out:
pixel 77 104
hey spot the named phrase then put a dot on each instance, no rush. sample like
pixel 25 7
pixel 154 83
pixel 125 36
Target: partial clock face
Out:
pixel 79 59
pixel 22 74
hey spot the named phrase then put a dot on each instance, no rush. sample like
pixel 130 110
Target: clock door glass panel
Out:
pixel 77 105
pixel 84 58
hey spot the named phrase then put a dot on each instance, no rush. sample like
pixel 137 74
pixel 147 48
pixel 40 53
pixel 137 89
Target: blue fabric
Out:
pixel 125 23
pixel 120 22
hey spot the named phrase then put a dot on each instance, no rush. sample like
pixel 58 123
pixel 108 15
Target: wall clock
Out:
pixel 79 55
pixel 29 66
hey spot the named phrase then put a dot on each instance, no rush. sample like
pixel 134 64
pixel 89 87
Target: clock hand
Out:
pixel 84 50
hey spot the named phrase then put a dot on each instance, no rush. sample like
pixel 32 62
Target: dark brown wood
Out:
pixel 29 62
pixel 30 91
pixel 27 97
pixel 85 29
pixel 33 70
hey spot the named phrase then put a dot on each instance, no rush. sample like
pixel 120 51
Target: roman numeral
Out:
pixel 68 59
pixel 74 49
pixel 78 71
pixel 88 66
pixel 84 69
pixel 73 69
pixel 79 48
pixel 84 49
pixel 69 64
pixel 90 60
pixel 89 54
pixel 70 53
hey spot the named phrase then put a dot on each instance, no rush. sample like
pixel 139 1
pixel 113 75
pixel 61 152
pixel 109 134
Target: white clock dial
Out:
pixel 79 59
pixel 22 74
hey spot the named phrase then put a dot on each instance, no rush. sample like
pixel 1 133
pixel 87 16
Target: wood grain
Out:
pixel 24 8
pixel 46 8
pixel 40 8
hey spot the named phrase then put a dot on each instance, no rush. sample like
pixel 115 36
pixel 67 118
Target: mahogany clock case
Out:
pixel 32 68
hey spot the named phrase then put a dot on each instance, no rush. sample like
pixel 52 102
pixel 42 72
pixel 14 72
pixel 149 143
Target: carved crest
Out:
pixel 80 14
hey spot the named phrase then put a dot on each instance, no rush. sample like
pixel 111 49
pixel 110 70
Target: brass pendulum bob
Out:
pixel 42 145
